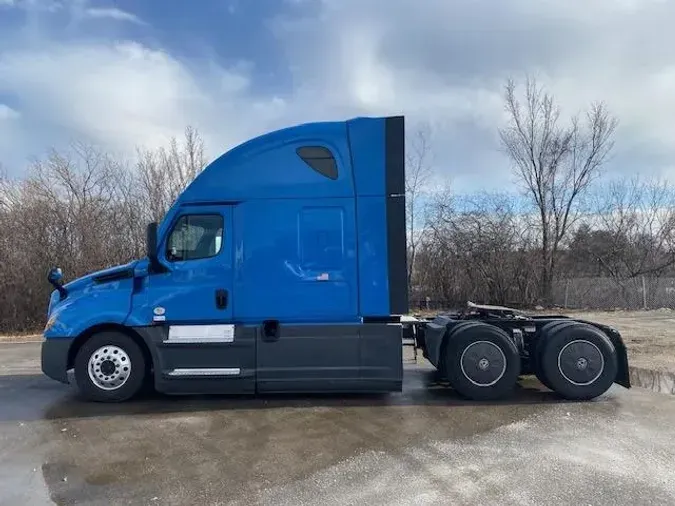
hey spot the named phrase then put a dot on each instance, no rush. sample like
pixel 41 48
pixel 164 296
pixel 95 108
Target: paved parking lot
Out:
pixel 423 446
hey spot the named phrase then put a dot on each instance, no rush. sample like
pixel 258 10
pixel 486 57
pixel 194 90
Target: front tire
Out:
pixel 482 363
pixel 109 367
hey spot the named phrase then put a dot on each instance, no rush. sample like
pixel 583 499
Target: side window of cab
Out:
pixel 194 237
pixel 320 159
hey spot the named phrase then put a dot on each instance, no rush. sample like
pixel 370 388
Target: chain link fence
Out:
pixel 592 293
pixel 641 292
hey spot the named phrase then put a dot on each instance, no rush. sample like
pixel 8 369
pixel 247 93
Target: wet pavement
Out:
pixel 422 446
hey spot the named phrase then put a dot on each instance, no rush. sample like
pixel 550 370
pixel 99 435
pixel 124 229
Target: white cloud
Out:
pixel 7 113
pixel 49 6
pixel 112 13
pixel 125 95
pixel 440 61
pixel 447 60
pixel 78 8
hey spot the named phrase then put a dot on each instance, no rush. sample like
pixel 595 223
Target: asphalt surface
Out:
pixel 423 446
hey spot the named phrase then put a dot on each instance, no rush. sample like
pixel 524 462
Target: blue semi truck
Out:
pixel 282 268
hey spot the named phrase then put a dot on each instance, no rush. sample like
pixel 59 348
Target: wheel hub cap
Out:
pixel 483 363
pixel 109 367
pixel 581 362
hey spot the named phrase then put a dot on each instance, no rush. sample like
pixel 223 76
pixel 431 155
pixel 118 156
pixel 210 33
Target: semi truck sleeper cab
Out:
pixel 282 268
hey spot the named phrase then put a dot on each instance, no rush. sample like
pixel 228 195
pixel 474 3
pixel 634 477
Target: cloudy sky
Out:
pixel 134 72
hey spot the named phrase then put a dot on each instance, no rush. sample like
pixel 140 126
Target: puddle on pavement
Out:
pixel 237 446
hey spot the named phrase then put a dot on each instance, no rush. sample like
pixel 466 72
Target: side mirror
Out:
pixel 55 275
pixel 151 246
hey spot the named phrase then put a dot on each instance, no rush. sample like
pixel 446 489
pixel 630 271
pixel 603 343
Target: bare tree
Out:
pixel 418 171
pixel 637 220
pixel 556 163
pixel 164 173
pixel 482 247
pixel 6 191
pixel 83 210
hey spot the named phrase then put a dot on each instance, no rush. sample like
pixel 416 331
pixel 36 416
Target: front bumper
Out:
pixel 55 357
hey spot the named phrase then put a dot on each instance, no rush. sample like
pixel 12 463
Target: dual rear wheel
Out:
pixel 481 361
pixel 574 359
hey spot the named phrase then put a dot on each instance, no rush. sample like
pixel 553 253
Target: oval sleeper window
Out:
pixel 320 159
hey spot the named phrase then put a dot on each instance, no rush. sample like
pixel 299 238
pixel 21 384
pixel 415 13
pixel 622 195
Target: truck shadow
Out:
pixel 34 397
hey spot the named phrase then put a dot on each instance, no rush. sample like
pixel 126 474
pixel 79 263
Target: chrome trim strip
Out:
pixel 196 340
pixel 214 371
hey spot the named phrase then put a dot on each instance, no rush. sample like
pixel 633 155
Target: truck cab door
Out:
pixel 189 308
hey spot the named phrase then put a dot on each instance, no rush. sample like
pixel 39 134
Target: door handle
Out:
pixel 270 330
pixel 221 299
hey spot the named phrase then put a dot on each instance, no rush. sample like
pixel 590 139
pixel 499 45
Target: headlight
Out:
pixel 50 322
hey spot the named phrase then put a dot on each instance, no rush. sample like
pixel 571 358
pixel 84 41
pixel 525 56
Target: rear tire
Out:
pixel 579 361
pixel 545 334
pixel 109 367
pixel 481 362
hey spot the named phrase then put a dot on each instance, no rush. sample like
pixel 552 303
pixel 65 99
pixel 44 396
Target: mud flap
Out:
pixel 623 372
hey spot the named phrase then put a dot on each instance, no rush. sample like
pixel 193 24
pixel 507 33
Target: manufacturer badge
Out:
pixel 159 314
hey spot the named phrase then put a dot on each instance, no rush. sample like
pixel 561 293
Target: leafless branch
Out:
pixel 555 163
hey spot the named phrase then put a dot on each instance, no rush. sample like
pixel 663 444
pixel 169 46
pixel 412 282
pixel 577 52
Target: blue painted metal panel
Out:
pixel 367 141
pixel 89 304
pixel 84 282
pixel 295 260
pixel 269 167
pixel 187 293
pixel 372 254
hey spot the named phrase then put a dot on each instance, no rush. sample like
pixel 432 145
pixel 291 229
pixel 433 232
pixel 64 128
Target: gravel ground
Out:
pixel 649 335
pixel 421 446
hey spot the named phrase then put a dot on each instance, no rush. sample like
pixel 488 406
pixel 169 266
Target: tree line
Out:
pixel 83 209
pixel 567 219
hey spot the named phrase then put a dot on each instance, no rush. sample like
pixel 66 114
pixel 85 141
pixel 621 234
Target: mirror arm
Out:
pixel 63 293
pixel 155 266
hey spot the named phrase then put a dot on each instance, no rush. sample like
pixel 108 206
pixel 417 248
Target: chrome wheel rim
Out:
pixel 109 367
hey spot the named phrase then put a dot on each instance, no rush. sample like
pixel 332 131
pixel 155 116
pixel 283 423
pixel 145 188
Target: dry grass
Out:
pixel 649 335
pixel 20 338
